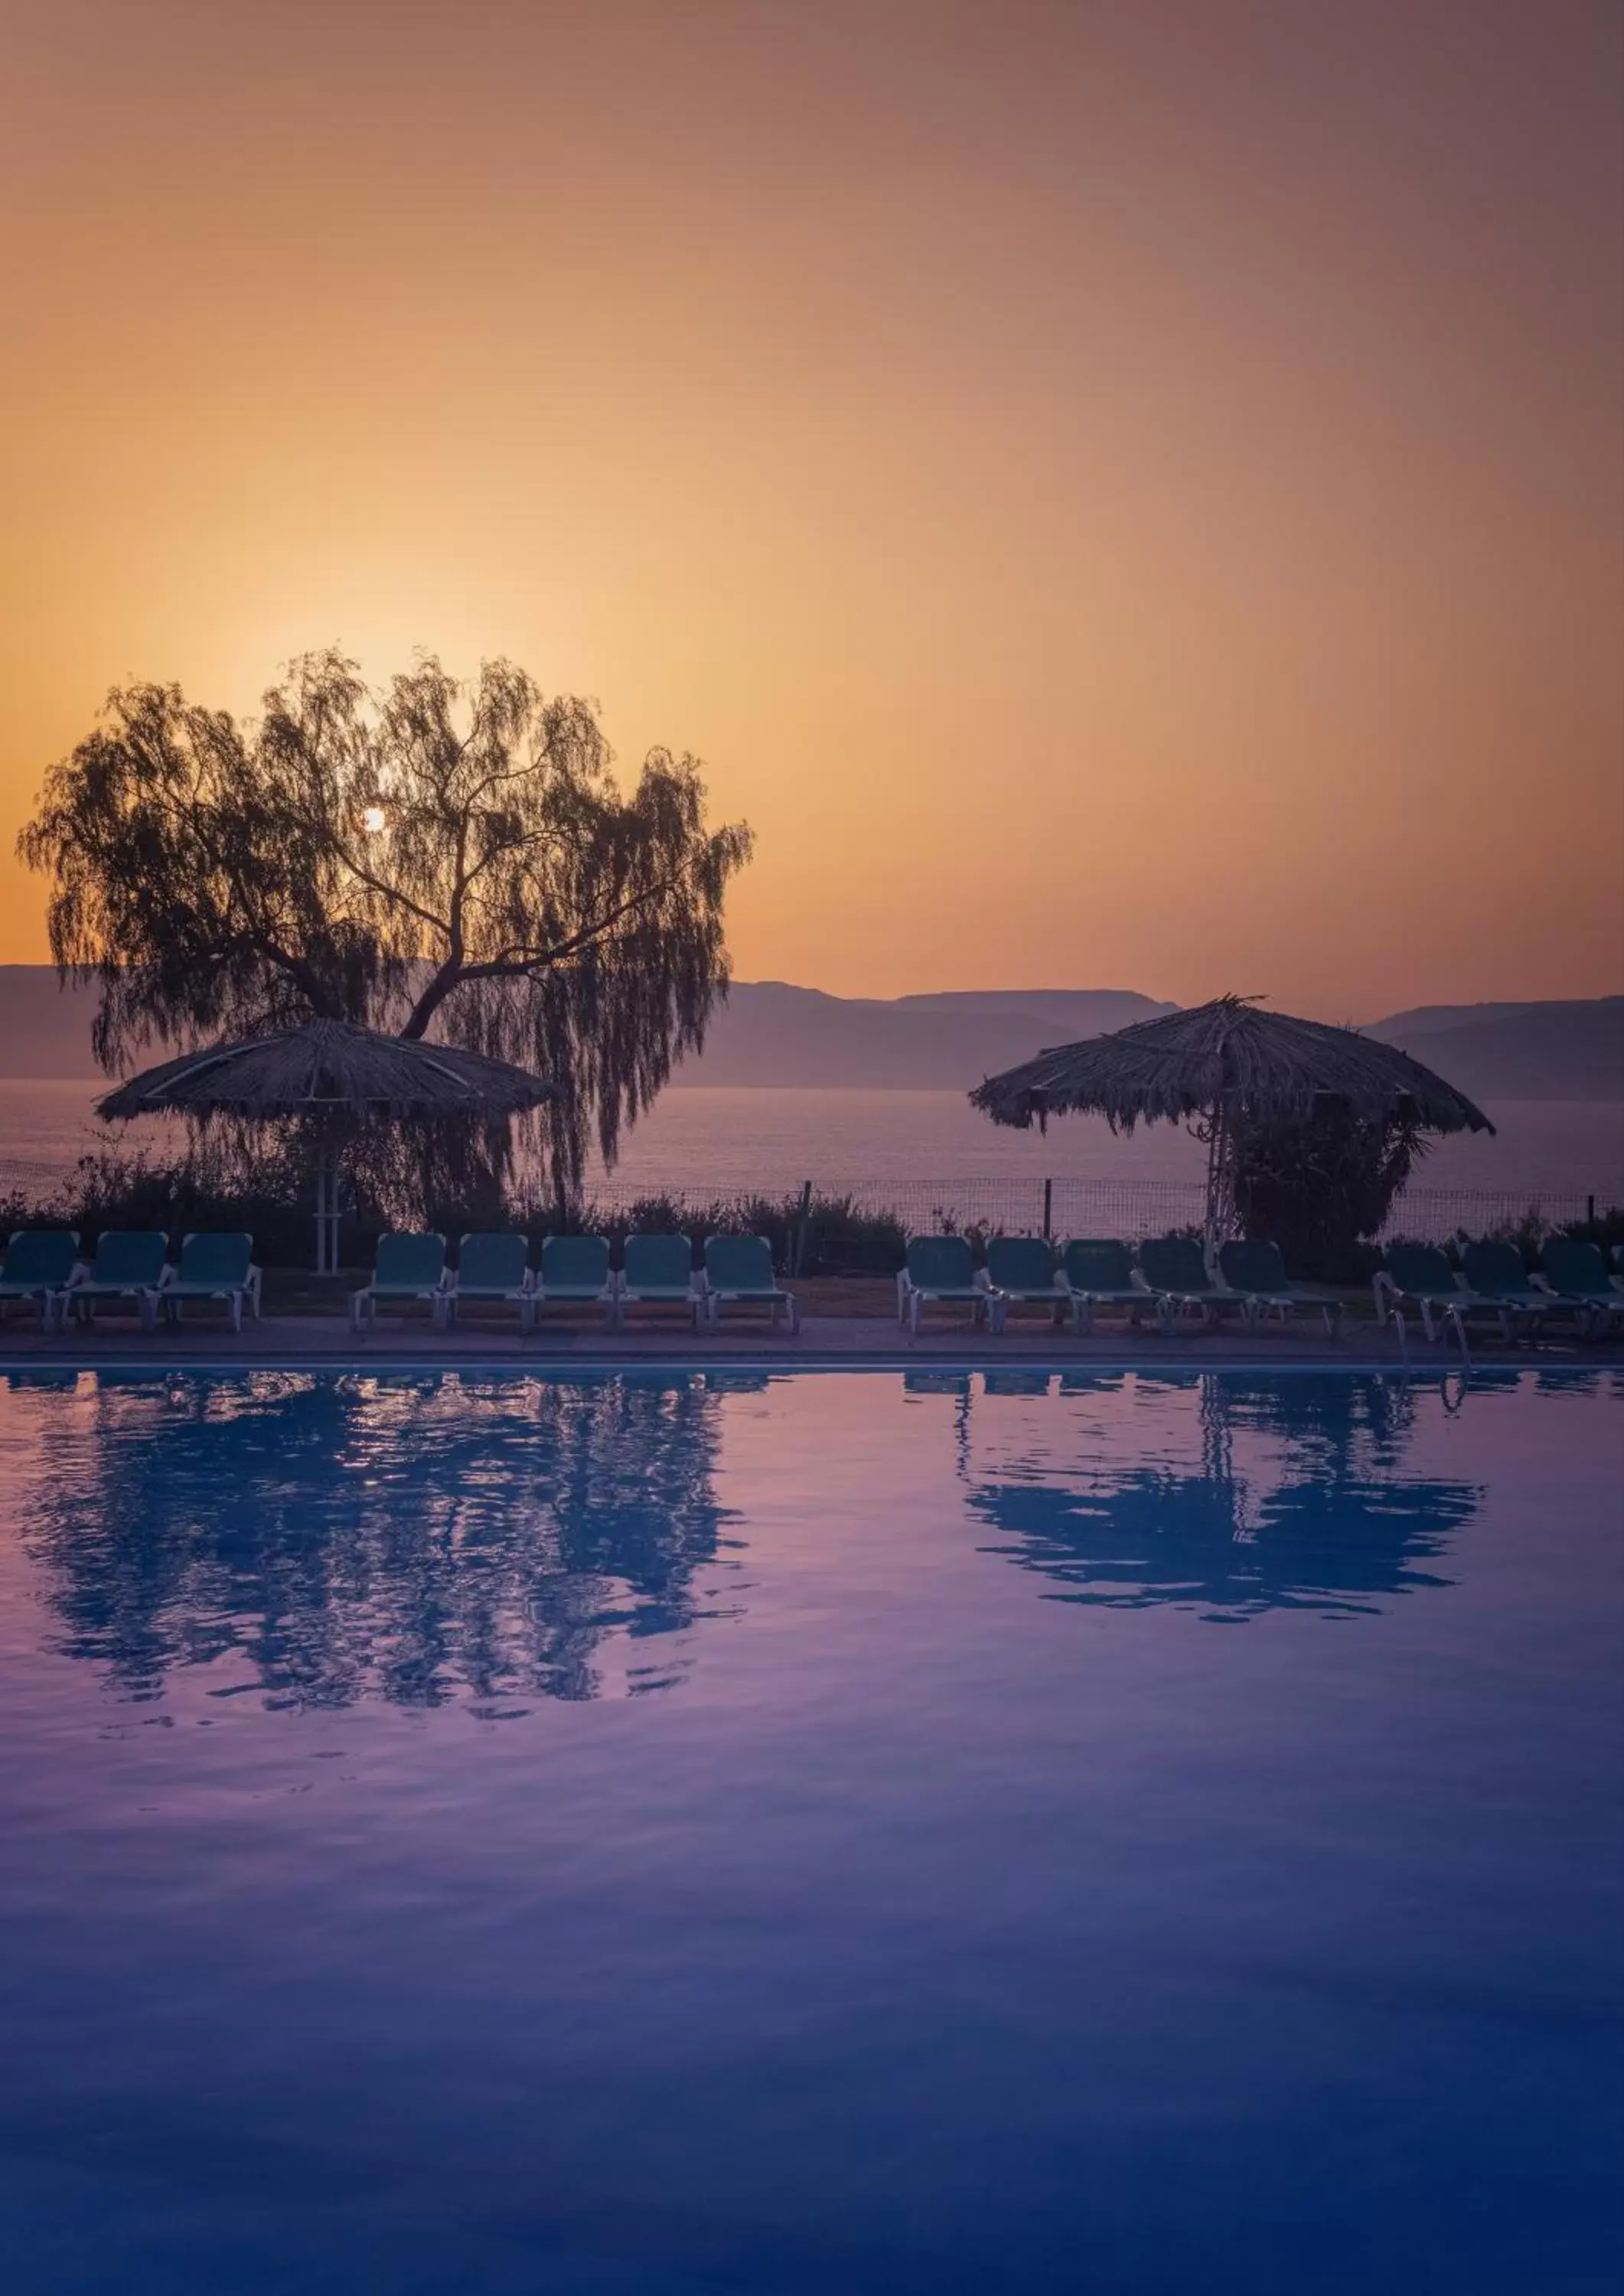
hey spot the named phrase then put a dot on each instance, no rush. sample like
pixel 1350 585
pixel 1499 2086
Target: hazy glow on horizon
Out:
pixel 1118 495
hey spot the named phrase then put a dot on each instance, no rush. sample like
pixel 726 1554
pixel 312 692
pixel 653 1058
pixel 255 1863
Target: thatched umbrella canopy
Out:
pixel 1227 1056
pixel 1227 1064
pixel 336 1074
pixel 328 1067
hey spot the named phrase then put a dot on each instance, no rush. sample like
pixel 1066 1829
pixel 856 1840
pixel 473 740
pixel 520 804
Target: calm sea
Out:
pixel 708 1138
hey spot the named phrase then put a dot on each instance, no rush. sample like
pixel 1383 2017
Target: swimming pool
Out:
pixel 810 1832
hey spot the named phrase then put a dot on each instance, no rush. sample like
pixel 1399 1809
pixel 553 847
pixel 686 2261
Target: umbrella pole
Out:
pixel 326 1215
pixel 1220 1202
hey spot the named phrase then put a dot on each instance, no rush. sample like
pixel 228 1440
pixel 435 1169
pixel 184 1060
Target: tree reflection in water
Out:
pixel 420 1540
pixel 1285 1494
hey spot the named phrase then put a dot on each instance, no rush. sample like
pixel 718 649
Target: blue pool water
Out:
pixel 835 1832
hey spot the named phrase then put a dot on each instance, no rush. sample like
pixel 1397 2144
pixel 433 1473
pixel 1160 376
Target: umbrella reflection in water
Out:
pixel 1321 1515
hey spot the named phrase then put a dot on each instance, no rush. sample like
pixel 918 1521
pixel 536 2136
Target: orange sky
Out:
pixel 1126 493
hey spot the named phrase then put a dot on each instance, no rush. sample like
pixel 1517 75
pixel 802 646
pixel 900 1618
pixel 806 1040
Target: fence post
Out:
pixel 800 1227
pixel 1048 1207
pixel 1590 1211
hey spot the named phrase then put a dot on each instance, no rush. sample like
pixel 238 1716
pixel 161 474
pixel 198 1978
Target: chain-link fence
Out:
pixel 1128 1209
pixel 1008 1204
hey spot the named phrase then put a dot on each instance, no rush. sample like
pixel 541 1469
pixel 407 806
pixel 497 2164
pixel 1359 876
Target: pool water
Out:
pixel 839 1832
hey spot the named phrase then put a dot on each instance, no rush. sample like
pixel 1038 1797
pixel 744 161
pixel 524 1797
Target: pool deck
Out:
pixel 829 1342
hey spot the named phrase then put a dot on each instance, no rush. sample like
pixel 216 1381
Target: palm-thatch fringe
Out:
pixel 1230 1059
pixel 328 1067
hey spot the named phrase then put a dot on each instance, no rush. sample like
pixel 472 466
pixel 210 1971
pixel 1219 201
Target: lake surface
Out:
pixel 910 1835
pixel 703 1139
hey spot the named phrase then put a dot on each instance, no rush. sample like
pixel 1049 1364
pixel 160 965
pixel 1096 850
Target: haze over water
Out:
pixel 704 1137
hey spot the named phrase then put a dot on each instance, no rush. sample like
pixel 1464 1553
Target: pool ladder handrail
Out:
pixel 1452 1320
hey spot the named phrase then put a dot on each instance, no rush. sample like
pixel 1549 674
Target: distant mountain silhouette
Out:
pixel 1571 1051
pixel 768 1033
pixel 45 1029
pixel 772 1033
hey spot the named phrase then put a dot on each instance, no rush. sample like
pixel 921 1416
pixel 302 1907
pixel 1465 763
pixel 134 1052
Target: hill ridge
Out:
pixel 781 1034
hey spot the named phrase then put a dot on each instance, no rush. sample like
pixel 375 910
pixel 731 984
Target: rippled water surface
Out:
pixel 846 1831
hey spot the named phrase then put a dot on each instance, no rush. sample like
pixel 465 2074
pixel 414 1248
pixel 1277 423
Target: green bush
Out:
pixel 211 1186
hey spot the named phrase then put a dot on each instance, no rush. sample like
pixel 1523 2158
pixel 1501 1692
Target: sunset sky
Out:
pixel 1123 494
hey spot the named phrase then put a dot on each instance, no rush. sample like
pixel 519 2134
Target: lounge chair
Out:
pixel 1495 1273
pixel 1175 1272
pixel 940 1272
pixel 575 1273
pixel 1576 1273
pixel 38 1263
pixel 214 1265
pixel 1253 1270
pixel 739 1270
pixel 659 1273
pixel 1021 1272
pixel 129 1264
pixel 492 1267
pixel 1098 1272
pixel 407 1268
pixel 1421 1273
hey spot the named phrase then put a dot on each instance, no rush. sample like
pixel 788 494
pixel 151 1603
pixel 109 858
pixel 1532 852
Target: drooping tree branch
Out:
pixel 439 855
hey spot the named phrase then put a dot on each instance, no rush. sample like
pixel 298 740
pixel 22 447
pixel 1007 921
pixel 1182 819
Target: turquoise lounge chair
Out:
pixel 129 1264
pixel 1176 1273
pixel 940 1272
pixel 575 1273
pixel 1496 1274
pixel 491 1266
pixel 1575 1273
pixel 1098 1272
pixel 659 1273
pixel 1421 1273
pixel 739 1270
pixel 214 1265
pixel 1021 1274
pixel 38 1263
pixel 408 1267
pixel 1253 1270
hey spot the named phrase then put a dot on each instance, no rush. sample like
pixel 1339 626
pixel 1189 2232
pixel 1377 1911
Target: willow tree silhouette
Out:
pixel 446 854
pixel 1338 1527
pixel 418 1541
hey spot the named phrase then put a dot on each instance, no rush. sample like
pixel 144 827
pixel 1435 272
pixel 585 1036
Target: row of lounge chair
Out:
pixel 1169 1281
pixel 494 1269
pixel 1573 1280
pixel 1172 1280
pixel 44 1268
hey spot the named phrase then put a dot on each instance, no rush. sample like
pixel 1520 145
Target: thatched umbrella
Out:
pixel 1224 1064
pixel 337 1074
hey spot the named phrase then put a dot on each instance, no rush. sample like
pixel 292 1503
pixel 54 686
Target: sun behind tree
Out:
pixel 444 855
